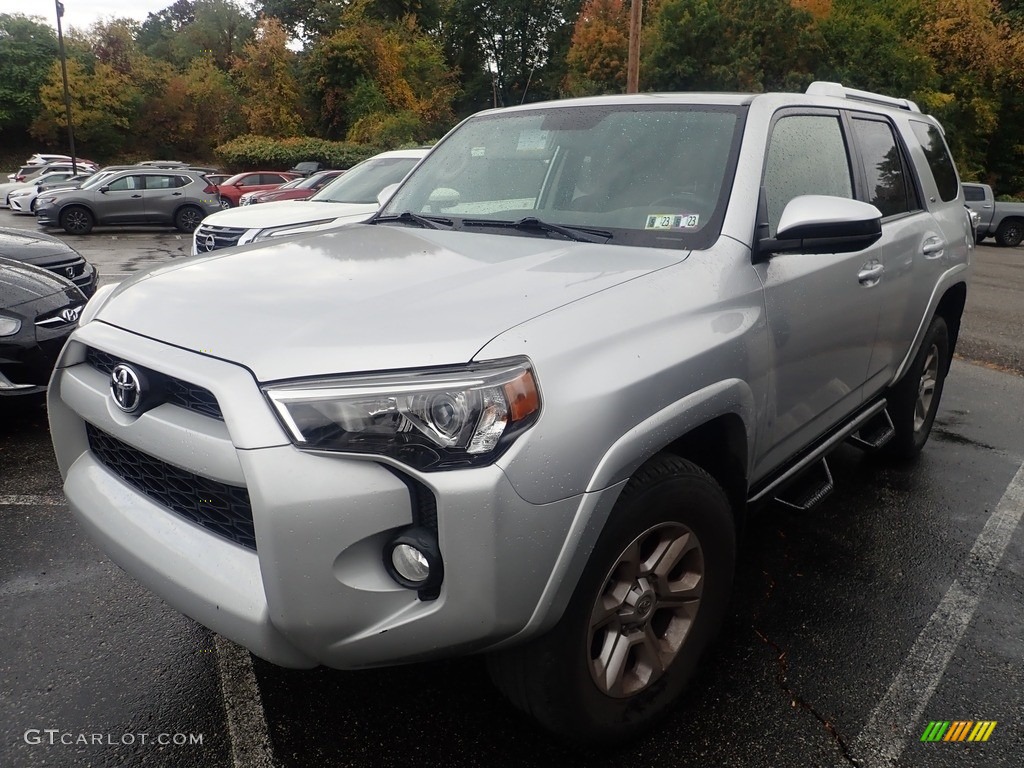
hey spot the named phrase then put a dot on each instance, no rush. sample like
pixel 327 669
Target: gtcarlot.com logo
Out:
pixel 958 730
pixel 54 736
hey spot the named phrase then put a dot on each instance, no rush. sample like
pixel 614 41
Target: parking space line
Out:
pixel 893 721
pixel 32 501
pixel 243 707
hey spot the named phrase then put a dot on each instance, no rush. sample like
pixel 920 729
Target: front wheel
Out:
pixel 914 400
pixel 652 595
pixel 225 204
pixel 76 221
pixel 188 218
pixel 1010 233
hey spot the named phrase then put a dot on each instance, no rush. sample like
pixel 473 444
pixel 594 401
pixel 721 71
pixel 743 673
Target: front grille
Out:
pixel 170 389
pixel 220 508
pixel 211 238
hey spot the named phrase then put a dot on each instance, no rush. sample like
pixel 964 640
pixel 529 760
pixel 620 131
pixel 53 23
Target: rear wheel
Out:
pixel 224 203
pixel 914 400
pixel 652 595
pixel 1010 233
pixel 76 220
pixel 188 218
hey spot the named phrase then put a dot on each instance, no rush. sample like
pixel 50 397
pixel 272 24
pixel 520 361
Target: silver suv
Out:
pixel 525 409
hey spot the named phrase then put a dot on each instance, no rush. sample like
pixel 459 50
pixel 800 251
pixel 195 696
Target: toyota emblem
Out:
pixel 126 388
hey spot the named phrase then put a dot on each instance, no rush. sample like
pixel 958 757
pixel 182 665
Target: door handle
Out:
pixel 871 273
pixel 933 248
pixel 136 196
pixel 175 194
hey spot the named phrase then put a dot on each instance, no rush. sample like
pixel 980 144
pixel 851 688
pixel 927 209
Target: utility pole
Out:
pixel 67 94
pixel 636 9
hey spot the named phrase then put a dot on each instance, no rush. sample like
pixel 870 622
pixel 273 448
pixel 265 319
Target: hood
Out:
pixel 21 284
pixel 284 212
pixel 366 297
pixel 28 246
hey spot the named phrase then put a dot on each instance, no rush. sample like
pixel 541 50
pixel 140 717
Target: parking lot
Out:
pixel 895 603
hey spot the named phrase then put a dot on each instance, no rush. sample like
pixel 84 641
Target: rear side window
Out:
pixel 939 161
pixel 806 156
pixel 974 194
pixel 888 187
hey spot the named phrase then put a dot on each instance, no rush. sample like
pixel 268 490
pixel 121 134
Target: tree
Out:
pixel 600 44
pixel 734 45
pixel 157 31
pixel 270 92
pixel 27 48
pixel 382 82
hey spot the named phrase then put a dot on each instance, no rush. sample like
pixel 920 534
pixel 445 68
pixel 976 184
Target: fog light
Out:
pixel 410 563
pixel 413 559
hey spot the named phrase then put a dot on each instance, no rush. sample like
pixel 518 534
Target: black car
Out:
pixel 38 311
pixel 50 253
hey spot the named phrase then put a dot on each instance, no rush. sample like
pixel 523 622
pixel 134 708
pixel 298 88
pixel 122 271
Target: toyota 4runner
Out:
pixel 525 409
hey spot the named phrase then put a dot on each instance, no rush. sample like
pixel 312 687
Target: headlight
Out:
pixel 430 420
pixel 9 325
pixel 255 235
pixel 46 200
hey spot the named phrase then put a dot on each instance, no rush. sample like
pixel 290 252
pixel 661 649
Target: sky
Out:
pixel 84 13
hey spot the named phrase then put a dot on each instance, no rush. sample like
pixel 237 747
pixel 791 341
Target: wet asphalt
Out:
pixel 827 606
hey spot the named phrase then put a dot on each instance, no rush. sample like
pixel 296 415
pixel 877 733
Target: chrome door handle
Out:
pixel 871 273
pixel 933 248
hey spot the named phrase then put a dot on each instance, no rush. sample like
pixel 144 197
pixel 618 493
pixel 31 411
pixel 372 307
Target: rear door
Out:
pixel 163 196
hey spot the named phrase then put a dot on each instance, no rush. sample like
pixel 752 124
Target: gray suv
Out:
pixel 176 197
pixel 526 408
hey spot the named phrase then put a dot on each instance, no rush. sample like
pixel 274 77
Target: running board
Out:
pixel 874 434
pixel 808 489
pixel 819 452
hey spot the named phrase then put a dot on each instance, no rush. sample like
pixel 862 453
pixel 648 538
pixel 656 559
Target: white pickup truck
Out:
pixel 1003 221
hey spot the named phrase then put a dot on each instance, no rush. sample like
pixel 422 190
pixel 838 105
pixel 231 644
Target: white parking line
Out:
pixel 32 501
pixel 893 721
pixel 243 707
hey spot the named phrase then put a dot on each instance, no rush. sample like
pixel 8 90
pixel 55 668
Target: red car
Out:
pixel 250 181
pixel 300 189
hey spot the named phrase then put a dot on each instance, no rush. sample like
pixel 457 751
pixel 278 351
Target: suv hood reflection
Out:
pixel 366 298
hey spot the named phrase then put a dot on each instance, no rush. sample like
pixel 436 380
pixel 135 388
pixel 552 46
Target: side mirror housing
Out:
pixel 385 194
pixel 824 224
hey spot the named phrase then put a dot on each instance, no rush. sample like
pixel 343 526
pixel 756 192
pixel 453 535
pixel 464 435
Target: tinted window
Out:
pixel 939 161
pixel 974 194
pixel 806 156
pixel 884 170
pixel 160 182
pixel 126 183
pixel 271 178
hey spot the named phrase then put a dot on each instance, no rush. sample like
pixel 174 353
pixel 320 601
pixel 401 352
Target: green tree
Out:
pixel 264 72
pixel 734 45
pixel 27 48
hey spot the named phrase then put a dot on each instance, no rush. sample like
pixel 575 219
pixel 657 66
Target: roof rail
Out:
pixel 839 91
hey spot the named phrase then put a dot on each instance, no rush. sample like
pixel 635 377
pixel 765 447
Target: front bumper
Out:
pixel 48 216
pixel 314 590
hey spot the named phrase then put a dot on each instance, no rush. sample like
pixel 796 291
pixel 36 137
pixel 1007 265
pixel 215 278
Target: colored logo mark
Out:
pixel 958 730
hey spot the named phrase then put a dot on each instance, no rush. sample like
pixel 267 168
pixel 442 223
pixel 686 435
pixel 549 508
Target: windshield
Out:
pixel 645 174
pixel 364 181
pixel 97 179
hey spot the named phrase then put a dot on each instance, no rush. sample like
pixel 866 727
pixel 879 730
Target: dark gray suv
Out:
pixel 180 198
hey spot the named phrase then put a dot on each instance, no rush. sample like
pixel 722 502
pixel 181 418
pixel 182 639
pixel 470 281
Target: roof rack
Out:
pixel 839 91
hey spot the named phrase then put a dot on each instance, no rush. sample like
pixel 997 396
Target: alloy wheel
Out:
pixel 643 615
pixel 926 387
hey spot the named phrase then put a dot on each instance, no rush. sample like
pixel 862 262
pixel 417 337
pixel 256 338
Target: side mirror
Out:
pixel 104 189
pixel 443 197
pixel 385 194
pixel 824 224
pixel 237 183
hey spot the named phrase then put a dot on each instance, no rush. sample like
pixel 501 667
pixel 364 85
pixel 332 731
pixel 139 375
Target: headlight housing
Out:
pixel 9 325
pixel 431 419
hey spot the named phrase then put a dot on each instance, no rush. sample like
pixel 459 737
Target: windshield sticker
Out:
pixel 672 221
pixel 532 139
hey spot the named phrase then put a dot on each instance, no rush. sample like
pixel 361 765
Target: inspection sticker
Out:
pixel 672 221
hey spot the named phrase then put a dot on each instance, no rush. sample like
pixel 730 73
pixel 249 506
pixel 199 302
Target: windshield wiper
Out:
pixel 408 217
pixel 532 223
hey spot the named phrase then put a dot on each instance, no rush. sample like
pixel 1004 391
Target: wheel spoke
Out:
pixel 610 665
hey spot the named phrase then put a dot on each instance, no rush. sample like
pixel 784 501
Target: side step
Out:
pixel 810 487
pixel 874 434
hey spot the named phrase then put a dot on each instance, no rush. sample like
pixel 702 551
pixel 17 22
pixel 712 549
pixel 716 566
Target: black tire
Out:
pixel 672 506
pixel 914 400
pixel 76 220
pixel 1010 233
pixel 188 217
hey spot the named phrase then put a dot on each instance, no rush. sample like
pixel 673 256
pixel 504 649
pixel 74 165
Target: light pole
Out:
pixel 636 8
pixel 67 94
